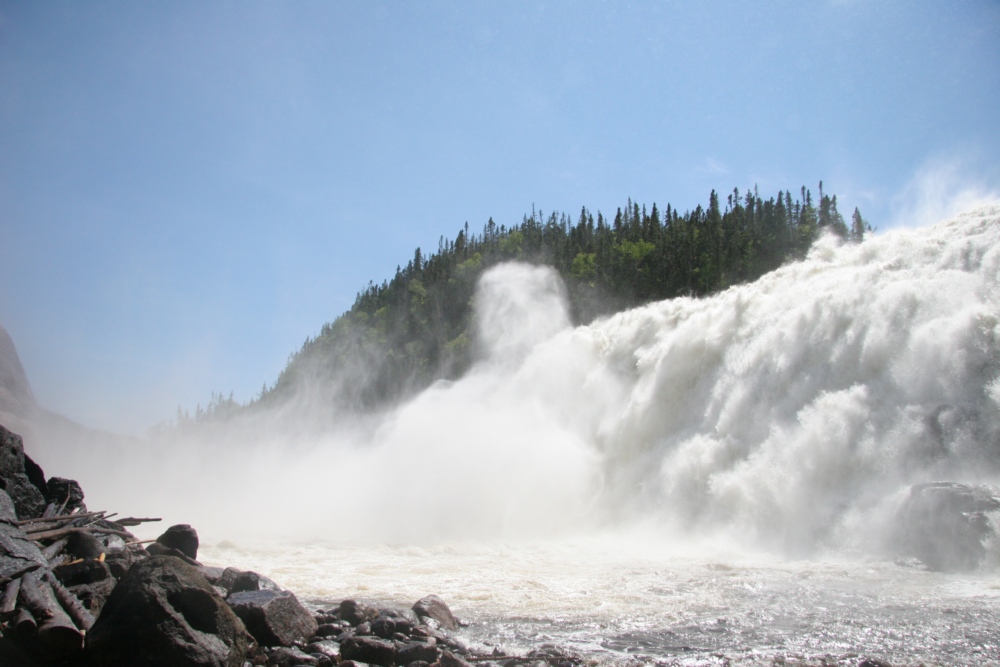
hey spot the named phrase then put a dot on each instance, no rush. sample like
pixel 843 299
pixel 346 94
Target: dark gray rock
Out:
pixel 426 651
pixel 449 659
pixel 370 650
pixel 94 596
pixel 68 491
pixel 119 562
pixel 182 537
pixel 274 618
pixel 284 656
pixel 163 613
pixel 433 607
pixel 18 554
pixel 28 500
pixel 327 647
pixel 946 524
pixel 251 581
pixel 84 572
pixel 356 613
pixel 8 514
pixel 84 545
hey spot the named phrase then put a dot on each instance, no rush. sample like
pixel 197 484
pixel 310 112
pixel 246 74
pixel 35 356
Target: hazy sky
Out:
pixel 188 190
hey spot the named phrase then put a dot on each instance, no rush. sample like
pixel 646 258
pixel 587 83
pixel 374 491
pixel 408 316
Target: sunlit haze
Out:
pixel 189 190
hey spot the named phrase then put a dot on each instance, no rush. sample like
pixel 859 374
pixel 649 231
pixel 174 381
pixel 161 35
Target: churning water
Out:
pixel 696 480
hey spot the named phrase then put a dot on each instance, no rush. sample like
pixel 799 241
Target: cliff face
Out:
pixel 15 392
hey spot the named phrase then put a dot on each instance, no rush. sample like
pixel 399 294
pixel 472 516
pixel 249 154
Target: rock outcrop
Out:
pixel 164 613
pixel 946 525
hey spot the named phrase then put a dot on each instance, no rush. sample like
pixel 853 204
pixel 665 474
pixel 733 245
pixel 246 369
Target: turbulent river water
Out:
pixel 697 481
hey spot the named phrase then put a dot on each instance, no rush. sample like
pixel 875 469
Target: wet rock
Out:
pixel 28 500
pixel 449 659
pixel 356 613
pixel 433 607
pixel 328 630
pixel 873 662
pixel 182 537
pixel 327 647
pixel 425 651
pixel 251 581
pixel 946 524
pixel 164 613
pixel 386 627
pixel 284 656
pixel 369 649
pixel 274 618
pixel 65 493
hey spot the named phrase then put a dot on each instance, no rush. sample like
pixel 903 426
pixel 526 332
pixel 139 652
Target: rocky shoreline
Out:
pixel 77 589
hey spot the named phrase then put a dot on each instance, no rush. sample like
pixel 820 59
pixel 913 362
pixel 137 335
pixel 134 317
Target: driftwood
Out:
pixel 24 623
pixel 132 521
pixel 51 551
pixel 62 517
pixel 80 615
pixel 9 599
pixel 63 532
pixel 58 636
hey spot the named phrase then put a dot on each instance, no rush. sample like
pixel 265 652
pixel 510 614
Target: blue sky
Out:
pixel 188 190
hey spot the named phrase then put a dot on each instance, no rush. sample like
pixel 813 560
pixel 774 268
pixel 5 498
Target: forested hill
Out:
pixel 406 332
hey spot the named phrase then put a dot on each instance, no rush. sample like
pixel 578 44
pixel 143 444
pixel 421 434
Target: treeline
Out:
pixel 406 332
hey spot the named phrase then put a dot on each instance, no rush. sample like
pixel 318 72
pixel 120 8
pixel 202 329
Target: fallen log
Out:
pixel 9 599
pixel 58 637
pixel 133 521
pixel 51 551
pixel 24 623
pixel 80 615
pixel 63 532
pixel 78 515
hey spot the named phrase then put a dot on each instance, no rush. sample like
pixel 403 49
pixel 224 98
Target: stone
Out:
pixel 68 491
pixel 418 651
pixel 28 500
pixel 84 572
pixel 327 647
pixel 182 537
pixel 18 554
pixel 119 562
pixel 93 596
pixel 284 656
pixel 274 618
pixel 164 613
pixel 946 524
pixel 251 581
pixel 371 650
pixel 8 514
pixel 356 613
pixel 35 475
pixel 449 659
pixel 435 608
pixel 84 545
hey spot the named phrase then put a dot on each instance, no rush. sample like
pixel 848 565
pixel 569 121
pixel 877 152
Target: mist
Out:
pixel 789 415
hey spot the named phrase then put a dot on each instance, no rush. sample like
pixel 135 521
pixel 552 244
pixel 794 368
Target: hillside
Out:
pixel 409 331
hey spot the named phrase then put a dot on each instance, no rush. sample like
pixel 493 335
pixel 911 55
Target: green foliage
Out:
pixel 404 333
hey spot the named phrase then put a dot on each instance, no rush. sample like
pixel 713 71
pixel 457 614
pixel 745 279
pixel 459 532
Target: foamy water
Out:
pixel 619 600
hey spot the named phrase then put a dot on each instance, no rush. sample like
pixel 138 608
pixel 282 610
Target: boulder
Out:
pixel 356 613
pixel 164 613
pixel 18 554
pixel 425 651
pixel 946 524
pixel 251 581
pixel 285 656
pixel 182 537
pixel 62 491
pixel 28 500
pixel 435 608
pixel 369 650
pixel 82 572
pixel 93 596
pixel 274 618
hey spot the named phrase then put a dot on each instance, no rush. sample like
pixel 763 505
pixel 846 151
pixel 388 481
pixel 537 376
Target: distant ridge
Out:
pixel 15 392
